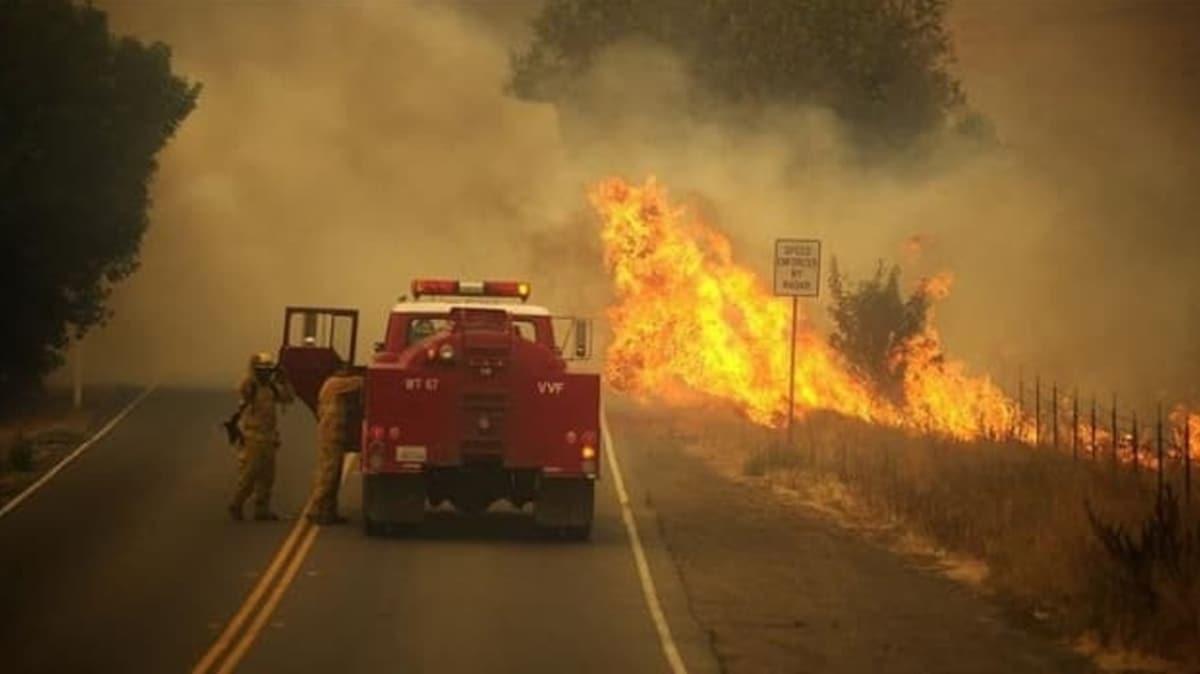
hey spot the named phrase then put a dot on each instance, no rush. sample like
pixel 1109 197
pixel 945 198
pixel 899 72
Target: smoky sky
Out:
pixel 339 149
pixel 1099 103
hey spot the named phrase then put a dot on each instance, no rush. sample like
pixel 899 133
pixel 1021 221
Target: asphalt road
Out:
pixel 126 562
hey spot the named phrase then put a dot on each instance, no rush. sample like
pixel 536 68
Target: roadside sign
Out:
pixel 797 274
pixel 797 267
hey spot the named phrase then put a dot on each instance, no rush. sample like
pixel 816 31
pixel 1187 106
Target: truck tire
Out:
pixel 566 507
pixel 393 499
pixel 372 528
pixel 578 533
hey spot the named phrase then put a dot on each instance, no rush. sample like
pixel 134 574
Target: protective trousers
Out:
pixel 327 480
pixel 256 474
pixel 338 419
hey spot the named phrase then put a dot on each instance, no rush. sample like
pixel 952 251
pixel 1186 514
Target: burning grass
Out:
pixel 1080 545
pixel 693 327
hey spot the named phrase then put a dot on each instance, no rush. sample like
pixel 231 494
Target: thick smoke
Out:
pixel 341 148
pixel 1071 237
pixel 338 150
pixel 1096 103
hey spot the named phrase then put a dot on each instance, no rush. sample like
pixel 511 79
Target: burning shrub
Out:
pixel 873 324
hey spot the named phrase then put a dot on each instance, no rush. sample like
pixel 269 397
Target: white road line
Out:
pixel 12 505
pixel 639 555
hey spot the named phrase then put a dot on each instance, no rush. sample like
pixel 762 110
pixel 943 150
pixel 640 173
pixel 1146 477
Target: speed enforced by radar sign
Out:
pixel 797 267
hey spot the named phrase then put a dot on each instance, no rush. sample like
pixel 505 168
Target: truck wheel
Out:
pixel 578 533
pixel 393 499
pixel 372 528
pixel 566 507
pixel 471 506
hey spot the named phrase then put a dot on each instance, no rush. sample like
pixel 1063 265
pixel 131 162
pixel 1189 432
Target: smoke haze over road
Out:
pixel 340 149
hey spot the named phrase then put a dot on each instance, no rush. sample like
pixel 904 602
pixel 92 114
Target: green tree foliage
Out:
pixel 873 321
pixel 880 65
pixel 82 116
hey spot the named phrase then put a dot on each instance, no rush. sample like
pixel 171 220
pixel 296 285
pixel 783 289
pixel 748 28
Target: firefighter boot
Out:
pixel 326 518
pixel 265 516
pixel 235 512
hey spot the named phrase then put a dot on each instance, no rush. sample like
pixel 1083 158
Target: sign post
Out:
pixel 797 274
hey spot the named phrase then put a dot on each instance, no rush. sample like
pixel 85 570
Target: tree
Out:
pixel 880 65
pixel 873 321
pixel 82 116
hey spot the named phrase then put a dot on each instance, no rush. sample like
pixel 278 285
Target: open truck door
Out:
pixel 574 335
pixel 316 340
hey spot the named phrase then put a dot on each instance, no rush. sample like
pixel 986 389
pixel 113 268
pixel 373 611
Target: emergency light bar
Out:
pixel 470 288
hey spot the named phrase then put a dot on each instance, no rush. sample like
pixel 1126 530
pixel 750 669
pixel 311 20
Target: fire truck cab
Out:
pixel 469 399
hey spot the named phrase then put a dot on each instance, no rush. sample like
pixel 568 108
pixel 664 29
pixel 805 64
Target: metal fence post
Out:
pixel 1187 458
pixel 1020 402
pixel 1075 427
pixel 1093 427
pixel 1054 414
pixel 1159 444
pixel 1115 439
pixel 1037 411
pixel 1134 443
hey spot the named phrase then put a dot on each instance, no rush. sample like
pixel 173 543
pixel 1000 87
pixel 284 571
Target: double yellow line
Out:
pixel 227 652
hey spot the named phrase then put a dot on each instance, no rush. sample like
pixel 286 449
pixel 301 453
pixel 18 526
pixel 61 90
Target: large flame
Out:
pixel 688 315
pixel 689 321
pixel 939 394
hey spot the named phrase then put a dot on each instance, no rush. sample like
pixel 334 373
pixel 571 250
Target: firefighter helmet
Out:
pixel 262 361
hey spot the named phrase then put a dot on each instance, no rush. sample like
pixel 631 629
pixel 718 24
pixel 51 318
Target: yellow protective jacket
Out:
pixel 259 421
pixel 338 395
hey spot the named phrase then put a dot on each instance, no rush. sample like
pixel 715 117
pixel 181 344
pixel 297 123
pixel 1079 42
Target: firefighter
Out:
pixel 264 388
pixel 338 408
pixel 422 328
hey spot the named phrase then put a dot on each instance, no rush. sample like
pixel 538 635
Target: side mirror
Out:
pixel 583 338
pixel 378 346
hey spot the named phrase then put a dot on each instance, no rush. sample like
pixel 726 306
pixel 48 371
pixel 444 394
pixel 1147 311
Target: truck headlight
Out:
pixel 446 352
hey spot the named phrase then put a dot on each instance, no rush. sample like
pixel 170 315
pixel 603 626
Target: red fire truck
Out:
pixel 470 398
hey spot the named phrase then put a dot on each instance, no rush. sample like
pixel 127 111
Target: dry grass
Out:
pixel 1126 576
pixel 35 435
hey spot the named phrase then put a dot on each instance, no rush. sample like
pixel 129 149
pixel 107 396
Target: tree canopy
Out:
pixel 83 115
pixel 880 65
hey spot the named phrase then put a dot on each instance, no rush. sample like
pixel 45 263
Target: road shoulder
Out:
pixel 777 587
pixel 51 431
pixel 691 639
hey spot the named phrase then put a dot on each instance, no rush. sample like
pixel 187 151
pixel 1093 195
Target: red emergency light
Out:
pixel 425 287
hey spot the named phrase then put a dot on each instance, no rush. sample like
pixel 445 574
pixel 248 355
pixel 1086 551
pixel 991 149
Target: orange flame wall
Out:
pixel 690 322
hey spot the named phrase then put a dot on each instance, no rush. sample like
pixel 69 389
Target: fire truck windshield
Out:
pixel 422 328
pixel 525 329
